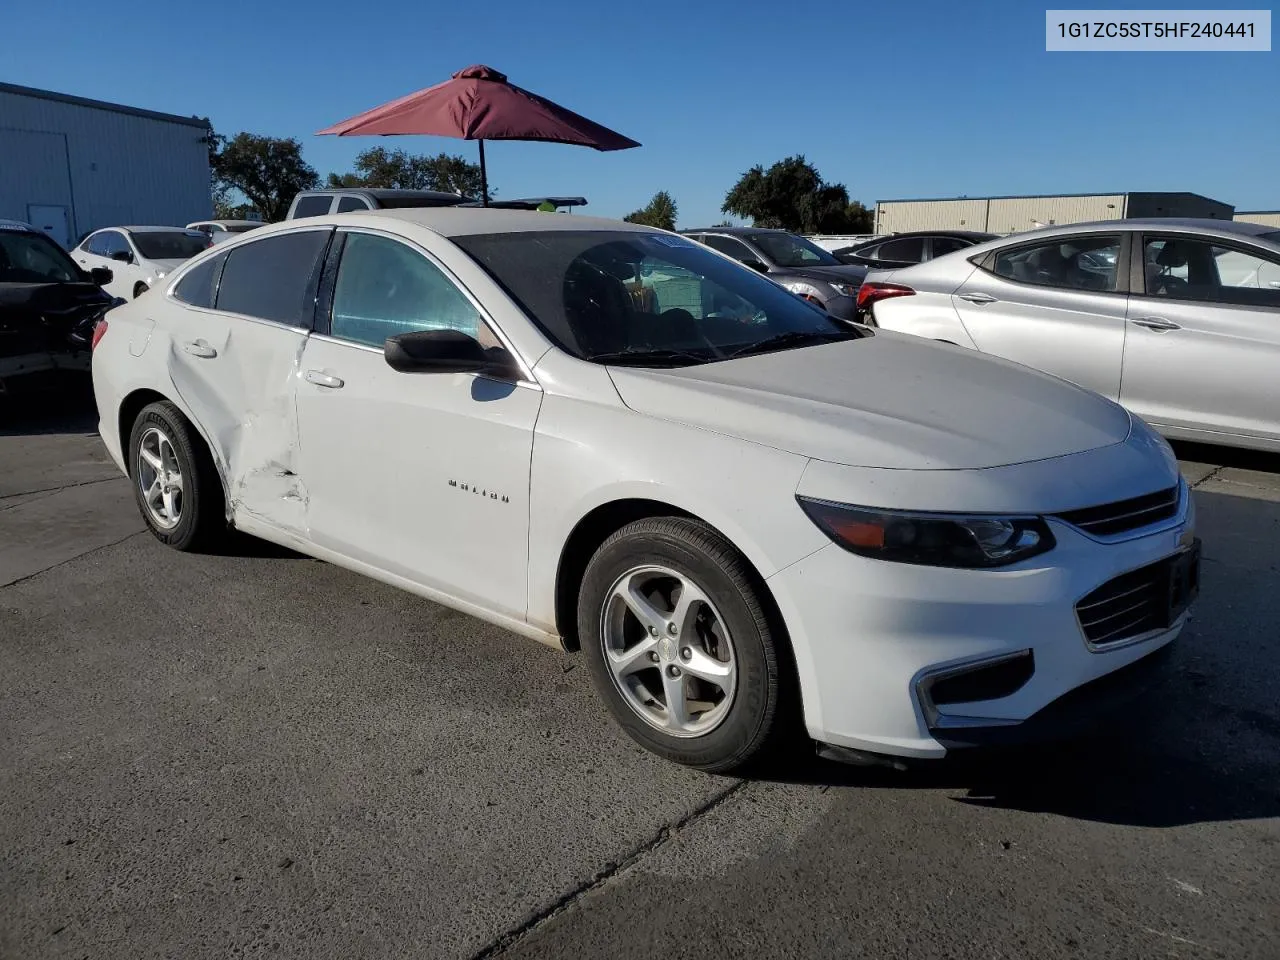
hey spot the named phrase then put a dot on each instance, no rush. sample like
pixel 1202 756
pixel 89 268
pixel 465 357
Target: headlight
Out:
pixel 933 539
pixel 844 289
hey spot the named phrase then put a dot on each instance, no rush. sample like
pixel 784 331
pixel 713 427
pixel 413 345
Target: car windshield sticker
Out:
pixel 670 241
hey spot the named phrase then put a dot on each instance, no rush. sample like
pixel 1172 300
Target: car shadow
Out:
pixel 1263 461
pixel 66 406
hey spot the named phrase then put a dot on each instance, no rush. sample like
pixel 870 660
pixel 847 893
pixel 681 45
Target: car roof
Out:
pixel 1239 227
pixel 964 234
pixel 385 193
pixel 738 231
pixel 17 225
pixel 145 228
pixel 455 221
pixel 194 223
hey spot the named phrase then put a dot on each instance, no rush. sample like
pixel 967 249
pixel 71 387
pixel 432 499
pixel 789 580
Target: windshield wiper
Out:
pixel 639 356
pixel 792 338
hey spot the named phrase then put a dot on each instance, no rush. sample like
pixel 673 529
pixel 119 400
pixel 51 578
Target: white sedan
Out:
pixel 138 257
pixel 611 438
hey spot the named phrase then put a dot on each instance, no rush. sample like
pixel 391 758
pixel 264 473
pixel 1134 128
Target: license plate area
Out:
pixel 1184 581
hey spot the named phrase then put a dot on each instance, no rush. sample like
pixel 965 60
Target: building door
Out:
pixel 53 220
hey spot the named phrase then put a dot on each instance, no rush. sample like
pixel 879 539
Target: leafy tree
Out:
pixel 268 171
pixel 660 213
pixel 861 220
pixel 791 195
pixel 396 169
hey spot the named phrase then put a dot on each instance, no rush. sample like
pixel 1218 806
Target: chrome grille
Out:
pixel 1124 515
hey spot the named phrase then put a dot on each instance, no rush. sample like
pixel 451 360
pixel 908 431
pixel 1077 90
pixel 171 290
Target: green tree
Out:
pixel 396 169
pixel 791 195
pixel 267 171
pixel 660 212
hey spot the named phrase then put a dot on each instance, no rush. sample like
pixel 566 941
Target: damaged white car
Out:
pixel 600 435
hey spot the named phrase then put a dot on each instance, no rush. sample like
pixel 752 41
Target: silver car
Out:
pixel 1179 320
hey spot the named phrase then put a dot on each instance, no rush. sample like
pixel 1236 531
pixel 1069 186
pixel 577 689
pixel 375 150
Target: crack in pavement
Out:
pixel 54 566
pixel 1209 476
pixel 53 490
pixel 505 941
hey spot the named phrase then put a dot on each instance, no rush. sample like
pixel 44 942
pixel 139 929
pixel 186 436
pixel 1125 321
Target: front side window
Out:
pixel 788 250
pixel 27 257
pixel 312 206
pixel 97 244
pixel 170 245
pixel 274 278
pixel 385 288
pixel 1067 263
pixel 1187 269
pixel 645 298
pixel 113 242
pixel 199 285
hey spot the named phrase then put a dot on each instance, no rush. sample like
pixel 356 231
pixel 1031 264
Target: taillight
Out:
pixel 99 330
pixel 872 293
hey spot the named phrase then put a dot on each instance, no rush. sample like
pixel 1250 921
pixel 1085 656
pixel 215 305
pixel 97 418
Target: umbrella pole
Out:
pixel 484 178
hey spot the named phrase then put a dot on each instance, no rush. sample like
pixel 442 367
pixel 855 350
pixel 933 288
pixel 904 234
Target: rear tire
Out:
pixel 714 656
pixel 175 483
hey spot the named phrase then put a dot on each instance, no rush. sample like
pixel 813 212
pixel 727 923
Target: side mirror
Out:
pixel 101 276
pixel 124 256
pixel 759 265
pixel 444 351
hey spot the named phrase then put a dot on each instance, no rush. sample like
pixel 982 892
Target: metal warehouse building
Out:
pixel 1270 217
pixel 70 165
pixel 1015 214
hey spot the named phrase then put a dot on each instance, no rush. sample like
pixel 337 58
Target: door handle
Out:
pixel 1158 324
pixel 977 297
pixel 322 379
pixel 199 348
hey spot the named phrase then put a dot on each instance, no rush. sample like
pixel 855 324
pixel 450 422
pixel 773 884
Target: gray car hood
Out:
pixel 846 273
pixel 882 401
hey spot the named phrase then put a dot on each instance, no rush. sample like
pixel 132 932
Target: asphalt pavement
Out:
pixel 255 753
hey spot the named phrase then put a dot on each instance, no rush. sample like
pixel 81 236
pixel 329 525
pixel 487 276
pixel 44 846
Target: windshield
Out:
pixel 646 298
pixel 27 257
pixel 165 245
pixel 788 250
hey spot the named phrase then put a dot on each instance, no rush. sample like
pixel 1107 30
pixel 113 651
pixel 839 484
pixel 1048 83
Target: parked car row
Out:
pixel 749 515
pixel 1179 320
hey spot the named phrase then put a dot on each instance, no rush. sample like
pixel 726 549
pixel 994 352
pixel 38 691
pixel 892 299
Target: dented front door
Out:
pixel 238 375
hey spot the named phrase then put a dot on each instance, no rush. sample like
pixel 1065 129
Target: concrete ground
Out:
pixel 257 753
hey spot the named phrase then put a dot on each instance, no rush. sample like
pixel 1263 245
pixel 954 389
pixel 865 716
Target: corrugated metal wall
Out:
pixel 109 168
pixel 902 216
pixel 1270 217
pixel 1177 205
pixel 1016 214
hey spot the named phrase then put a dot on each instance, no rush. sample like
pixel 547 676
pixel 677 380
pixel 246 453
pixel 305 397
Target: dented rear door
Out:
pixel 236 366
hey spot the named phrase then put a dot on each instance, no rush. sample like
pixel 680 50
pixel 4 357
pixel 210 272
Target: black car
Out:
pixel 799 265
pixel 48 308
pixel 908 249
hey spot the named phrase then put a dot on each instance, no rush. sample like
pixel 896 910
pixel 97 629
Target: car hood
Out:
pixel 845 273
pixel 882 401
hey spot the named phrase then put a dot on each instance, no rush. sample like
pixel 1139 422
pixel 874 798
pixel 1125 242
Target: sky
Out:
pixel 893 100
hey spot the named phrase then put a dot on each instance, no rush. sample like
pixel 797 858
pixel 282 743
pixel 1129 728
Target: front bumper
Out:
pixel 871 636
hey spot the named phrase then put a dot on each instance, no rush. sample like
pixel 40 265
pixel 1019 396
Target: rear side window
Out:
pixel 1068 263
pixel 199 285
pixel 313 206
pixel 348 204
pixel 907 250
pixel 275 278
pixel 734 248
pixel 944 245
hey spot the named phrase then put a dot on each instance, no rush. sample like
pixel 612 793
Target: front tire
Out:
pixel 174 480
pixel 679 644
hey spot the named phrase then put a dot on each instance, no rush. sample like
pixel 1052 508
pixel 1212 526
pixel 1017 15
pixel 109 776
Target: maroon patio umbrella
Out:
pixel 479 104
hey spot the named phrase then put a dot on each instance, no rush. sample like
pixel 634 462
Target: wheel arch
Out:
pixel 138 400
pixel 601 522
